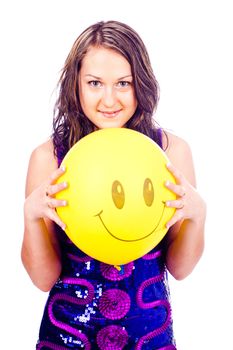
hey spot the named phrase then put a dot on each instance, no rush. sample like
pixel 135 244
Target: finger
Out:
pixel 177 203
pixel 57 173
pixel 175 172
pixel 55 203
pixel 176 217
pixel 177 189
pixel 53 189
pixel 54 217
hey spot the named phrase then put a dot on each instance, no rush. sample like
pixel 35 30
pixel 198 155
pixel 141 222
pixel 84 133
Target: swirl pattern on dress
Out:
pixel 141 289
pixel 153 255
pixel 112 338
pixel 157 331
pixel 114 304
pixel 153 304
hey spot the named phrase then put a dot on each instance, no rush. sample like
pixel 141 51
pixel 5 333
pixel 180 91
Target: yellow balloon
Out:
pixel 116 196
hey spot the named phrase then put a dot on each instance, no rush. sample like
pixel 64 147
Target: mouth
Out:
pixel 110 114
pixel 131 240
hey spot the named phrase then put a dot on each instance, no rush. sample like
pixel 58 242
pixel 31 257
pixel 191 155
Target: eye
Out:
pixel 148 192
pixel 123 84
pixel 95 83
pixel 118 194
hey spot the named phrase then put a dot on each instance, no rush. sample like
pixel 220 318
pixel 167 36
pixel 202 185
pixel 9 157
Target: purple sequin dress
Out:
pixel 97 306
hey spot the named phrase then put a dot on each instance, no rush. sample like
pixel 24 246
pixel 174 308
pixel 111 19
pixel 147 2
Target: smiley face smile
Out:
pixel 131 240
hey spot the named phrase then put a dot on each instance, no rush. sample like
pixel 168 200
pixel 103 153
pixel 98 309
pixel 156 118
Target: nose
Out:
pixel 108 97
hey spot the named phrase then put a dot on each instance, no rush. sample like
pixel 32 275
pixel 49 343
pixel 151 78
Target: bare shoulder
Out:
pixel 43 153
pixel 179 153
pixel 175 144
pixel 42 163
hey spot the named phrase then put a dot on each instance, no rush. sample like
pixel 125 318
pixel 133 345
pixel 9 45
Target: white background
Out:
pixel 190 44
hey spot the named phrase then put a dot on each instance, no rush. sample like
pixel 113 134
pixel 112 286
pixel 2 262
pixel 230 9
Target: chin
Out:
pixel 110 125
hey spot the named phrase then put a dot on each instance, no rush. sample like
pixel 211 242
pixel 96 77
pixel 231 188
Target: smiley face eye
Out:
pixel 148 192
pixel 118 194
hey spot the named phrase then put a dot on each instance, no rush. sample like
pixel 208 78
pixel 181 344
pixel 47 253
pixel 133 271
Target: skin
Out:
pixel 107 98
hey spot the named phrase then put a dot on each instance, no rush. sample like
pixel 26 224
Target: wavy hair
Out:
pixel 69 122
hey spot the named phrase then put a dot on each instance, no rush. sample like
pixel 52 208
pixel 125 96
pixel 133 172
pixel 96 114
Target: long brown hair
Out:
pixel 69 123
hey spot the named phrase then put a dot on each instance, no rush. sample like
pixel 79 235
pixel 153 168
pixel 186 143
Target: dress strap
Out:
pixel 160 137
pixel 59 157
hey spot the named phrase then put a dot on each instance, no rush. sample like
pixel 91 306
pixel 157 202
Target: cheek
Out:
pixel 122 98
pixel 88 100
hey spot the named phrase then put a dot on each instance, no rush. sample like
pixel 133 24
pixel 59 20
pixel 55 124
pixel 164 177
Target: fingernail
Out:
pixel 167 183
pixel 168 204
pixel 63 168
pixel 65 184
pixel 64 203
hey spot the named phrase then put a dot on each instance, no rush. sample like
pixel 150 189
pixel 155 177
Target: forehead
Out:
pixel 100 60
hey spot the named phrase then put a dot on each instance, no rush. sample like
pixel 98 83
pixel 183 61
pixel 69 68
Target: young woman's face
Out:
pixel 106 88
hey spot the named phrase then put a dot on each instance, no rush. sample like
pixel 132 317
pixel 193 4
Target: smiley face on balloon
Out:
pixel 116 196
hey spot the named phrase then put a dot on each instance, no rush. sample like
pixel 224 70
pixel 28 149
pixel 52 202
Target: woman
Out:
pixel 107 81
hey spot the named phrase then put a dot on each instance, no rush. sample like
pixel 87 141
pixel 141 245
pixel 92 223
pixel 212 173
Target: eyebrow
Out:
pixel 98 78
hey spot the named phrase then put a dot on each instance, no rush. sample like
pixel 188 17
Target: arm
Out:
pixel 40 248
pixel 185 238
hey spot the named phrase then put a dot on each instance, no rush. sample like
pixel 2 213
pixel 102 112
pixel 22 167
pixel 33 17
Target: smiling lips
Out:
pixel 130 240
pixel 111 114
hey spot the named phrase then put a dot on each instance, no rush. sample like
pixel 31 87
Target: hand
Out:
pixel 41 203
pixel 189 204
